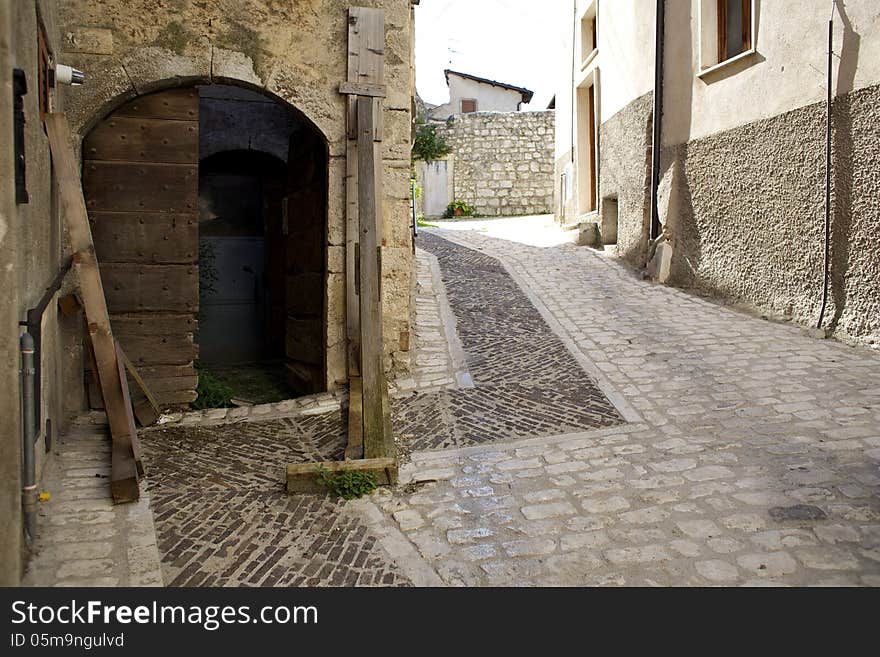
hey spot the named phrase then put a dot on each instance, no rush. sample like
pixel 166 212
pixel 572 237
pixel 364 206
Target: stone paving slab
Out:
pixel 755 459
pixel 83 539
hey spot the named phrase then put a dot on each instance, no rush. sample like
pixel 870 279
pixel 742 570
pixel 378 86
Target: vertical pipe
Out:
pixel 28 421
pixel 828 107
pixel 658 117
pixel 415 216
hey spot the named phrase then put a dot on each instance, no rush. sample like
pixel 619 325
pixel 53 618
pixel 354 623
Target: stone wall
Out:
pixel 503 161
pixel 750 219
pixel 625 178
pixel 280 49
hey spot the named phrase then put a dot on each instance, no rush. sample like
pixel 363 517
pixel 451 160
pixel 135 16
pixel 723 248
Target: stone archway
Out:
pixel 141 182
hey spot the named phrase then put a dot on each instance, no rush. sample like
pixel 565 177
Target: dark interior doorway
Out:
pixel 208 210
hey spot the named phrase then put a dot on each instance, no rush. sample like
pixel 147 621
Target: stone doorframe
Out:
pixel 111 83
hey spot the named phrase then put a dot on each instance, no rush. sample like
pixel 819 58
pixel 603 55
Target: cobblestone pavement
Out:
pixel 82 538
pixel 224 519
pixel 438 360
pixel 526 383
pixel 754 459
pixel 221 513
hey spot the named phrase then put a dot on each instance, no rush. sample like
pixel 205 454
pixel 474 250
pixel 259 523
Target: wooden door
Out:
pixel 304 224
pixel 140 181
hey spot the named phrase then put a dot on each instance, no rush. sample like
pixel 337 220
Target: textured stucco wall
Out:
pixel 295 52
pixel 750 224
pixel 625 175
pixel 31 240
pixel 503 161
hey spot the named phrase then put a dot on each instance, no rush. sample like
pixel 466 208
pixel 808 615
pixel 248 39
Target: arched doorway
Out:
pixel 220 188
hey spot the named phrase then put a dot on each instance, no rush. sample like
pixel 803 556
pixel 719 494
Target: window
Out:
pixel 589 35
pixel 726 32
pixel 734 28
pixel 468 105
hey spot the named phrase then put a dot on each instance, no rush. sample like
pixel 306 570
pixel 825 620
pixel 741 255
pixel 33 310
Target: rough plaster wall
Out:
pixel 625 173
pixel 32 243
pixel 295 51
pixel 503 161
pixel 751 225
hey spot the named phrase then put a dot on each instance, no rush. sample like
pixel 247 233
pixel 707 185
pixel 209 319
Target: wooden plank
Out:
pixel 124 475
pixel 148 350
pixel 363 89
pixel 176 398
pixel 355 446
pixel 352 303
pixel 157 373
pixel 181 104
pixel 147 410
pixel 132 288
pixel 146 237
pixel 153 324
pixel 93 386
pixel 138 139
pixel 366 47
pixel 141 187
pixel 376 441
pixel 126 395
pixel 303 477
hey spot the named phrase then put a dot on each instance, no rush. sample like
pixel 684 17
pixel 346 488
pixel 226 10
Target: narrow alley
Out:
pixel 567 424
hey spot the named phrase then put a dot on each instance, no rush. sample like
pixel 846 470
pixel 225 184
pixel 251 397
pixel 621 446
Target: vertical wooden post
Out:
pixel 369 209
pixel 369 431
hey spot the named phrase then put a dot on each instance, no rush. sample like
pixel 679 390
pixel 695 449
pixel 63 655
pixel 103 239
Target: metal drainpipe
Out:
pixel 828 104
pixel 29 484
pixel 655 230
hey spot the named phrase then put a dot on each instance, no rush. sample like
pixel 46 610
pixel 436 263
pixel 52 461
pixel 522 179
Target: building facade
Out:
pixel 742 175
pixel 198 121
pixel 470 93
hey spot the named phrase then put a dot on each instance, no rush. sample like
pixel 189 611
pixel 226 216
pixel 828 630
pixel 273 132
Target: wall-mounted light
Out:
pixel 68 75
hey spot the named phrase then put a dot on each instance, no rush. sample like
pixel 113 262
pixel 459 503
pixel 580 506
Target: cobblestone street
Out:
pixel 566 423
pixel 753 457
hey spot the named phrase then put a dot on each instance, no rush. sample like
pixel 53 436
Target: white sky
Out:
pixel 512 41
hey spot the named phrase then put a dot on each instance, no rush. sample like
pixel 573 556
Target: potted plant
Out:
pixel 458 209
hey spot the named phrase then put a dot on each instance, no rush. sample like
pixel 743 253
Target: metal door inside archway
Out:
pixel 141 183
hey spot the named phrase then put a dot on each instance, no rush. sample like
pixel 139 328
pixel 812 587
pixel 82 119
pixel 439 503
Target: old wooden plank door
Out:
pixel 140 180
pixel 304 226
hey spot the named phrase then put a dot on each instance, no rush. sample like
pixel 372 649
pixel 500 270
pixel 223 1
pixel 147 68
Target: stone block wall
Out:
pixel 503 161
pixel 248 43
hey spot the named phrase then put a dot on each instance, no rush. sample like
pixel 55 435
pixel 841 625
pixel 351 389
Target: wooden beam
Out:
pixel 355 447
pixel 377 439
pixel 146 409
pixel 124 470
pixel 363 89
pixel 303 477
pixel 135 440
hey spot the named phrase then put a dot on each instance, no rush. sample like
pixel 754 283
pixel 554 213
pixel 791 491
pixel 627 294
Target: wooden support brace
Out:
pixel 146 409
pixel 362 89
pixel 124 468
pixel 303 477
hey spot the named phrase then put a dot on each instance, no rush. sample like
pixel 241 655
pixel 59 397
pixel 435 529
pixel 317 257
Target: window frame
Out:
pixel 588 19
pixel 712 35
pixel 461 103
